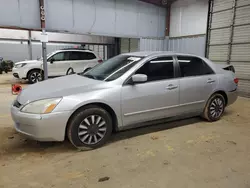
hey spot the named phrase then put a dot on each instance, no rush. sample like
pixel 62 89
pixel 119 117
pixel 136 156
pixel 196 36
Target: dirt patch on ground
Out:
pixel 188 153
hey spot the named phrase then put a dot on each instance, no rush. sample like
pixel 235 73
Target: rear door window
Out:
pixel 193 66
pixel 82 56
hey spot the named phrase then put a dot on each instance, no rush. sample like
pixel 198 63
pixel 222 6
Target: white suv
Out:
pixel 60 63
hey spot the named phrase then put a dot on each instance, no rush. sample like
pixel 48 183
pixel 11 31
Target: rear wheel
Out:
pixel 35 76
pixel 214 108
pixel 90 128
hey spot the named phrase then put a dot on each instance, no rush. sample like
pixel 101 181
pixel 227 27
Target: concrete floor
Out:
pixel 189 153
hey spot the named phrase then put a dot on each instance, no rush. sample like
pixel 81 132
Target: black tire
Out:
pixel 6 71
pixel 214 108
pixel 1 71
pixel 35 76
pixel 79 132
pixel 70 71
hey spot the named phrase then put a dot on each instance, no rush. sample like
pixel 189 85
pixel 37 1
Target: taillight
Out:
pixel 236 80
pixel 100 61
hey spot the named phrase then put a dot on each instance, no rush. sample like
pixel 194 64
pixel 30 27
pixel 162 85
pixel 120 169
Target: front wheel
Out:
pixel 90 128
pixel 214 108
pixel 35 76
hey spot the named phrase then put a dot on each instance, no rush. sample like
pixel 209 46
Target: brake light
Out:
pixel 236 80
pixel 100 61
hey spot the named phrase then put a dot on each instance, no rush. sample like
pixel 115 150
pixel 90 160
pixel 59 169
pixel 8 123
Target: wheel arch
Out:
pixel 37 69
pixel 223 93
pixel 101 105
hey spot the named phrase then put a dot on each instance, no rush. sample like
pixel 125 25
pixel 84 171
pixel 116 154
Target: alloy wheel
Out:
pixel 216 107
pixel 92 129
pixel 36 77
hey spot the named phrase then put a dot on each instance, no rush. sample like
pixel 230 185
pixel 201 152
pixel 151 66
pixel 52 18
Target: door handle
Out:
pixel 171 87
pixel 210 81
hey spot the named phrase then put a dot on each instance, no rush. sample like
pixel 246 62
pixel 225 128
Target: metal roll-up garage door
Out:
pixel 229 38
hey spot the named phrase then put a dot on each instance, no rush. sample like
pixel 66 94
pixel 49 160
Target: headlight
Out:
pixel 20 65
pixel 44 106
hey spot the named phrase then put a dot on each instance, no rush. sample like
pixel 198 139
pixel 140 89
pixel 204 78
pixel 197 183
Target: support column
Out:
pixel 44 48
pixel 30 46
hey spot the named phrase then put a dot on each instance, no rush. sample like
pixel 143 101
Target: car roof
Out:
pixel 151 53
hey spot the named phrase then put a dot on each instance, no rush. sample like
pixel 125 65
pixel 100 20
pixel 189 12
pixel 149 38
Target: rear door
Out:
pixel 155 99
pixel 82 60
pixel 197 83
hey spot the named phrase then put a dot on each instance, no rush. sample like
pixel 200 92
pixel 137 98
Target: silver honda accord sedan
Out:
pixel 127 91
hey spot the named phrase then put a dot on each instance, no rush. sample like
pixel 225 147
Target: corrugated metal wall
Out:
pixel 147 44
pixel 193 45
pixel 229 38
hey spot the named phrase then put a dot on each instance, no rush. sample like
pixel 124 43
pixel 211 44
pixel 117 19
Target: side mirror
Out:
pixel 52 60
pixel 139 78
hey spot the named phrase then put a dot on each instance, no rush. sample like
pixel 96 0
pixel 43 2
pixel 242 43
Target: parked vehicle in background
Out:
pixel 5 65
pixel 126 91
pixel 60 63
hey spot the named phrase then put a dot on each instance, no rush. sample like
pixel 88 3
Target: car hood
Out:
pixel 28 62
pixel 59 87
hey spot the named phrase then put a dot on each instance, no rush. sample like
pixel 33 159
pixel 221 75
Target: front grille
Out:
pixel 17 104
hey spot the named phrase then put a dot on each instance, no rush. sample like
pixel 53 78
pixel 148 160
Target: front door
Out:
pixel 155 99
pixel 58 64
pixel 197 83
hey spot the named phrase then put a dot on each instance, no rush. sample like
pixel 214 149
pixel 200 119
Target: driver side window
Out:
pixel 158 69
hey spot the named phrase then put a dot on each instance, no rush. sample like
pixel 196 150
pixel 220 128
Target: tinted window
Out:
pixel 158 69
pixel 82 56
pixel 193 66
pixel 61 56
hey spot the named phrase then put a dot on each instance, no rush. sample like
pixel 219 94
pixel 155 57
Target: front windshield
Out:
pixel 112 68
pixel 48 55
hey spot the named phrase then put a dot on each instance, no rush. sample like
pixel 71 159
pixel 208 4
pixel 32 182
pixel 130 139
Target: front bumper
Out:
pixel 47 127
pixel 232 97
pixel 19 73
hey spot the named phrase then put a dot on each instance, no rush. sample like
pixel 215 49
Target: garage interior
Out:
pixel 186 153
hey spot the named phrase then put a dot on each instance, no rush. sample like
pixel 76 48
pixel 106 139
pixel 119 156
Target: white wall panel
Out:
pixel 19 13
pixel 188 17
pixel 130 18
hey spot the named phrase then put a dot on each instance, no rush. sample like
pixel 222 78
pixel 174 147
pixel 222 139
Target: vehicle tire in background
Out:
pixel 1 71
pixel 214 108
pixel 90 128
pixel 35 76
pixel 70 71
